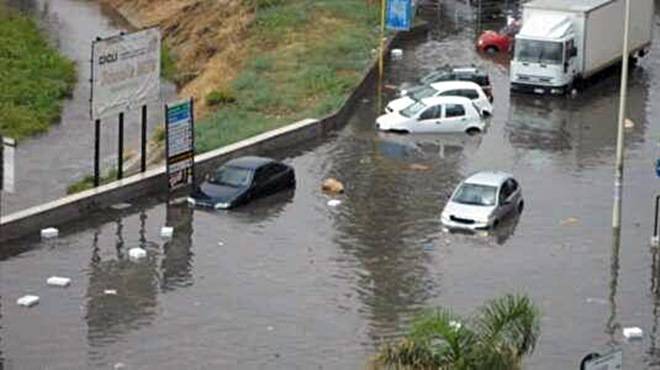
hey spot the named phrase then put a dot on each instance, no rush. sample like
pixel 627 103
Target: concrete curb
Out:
pixel 70 208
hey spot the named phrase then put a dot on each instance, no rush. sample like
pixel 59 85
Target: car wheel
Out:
pixel 521 206
pixel 492 50
pixel 472 131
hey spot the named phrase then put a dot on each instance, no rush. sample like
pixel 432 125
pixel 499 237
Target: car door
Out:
pixel 455 118
pixel 429 120
pixel 503 200
pixel 478 98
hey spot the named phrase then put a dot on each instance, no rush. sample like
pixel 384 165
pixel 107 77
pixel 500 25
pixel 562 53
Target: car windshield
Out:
pixel 546 52
pixel 436 76
pixel 413 109
pixel 232 176
pixel 425 92
pixel 474 194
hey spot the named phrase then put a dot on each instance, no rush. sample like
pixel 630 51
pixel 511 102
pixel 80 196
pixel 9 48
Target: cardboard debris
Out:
pixel 136 253
pixel 28 300
pixel 332 185
pixel 49 233
pixel 58 281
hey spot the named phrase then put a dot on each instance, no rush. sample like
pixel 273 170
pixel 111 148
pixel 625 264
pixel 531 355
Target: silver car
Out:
pixel 482 200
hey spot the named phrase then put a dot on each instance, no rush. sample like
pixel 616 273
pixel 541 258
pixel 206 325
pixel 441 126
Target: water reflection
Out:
pixel 612 325
pixel 177 262
pixel 653 359
pixel 108 315
pixel 563 127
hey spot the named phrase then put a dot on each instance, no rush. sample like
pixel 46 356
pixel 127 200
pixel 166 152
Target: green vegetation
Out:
pixel 167 63
pixel 305 57
pixel 496 338
pixel 88 182
pixel 35 78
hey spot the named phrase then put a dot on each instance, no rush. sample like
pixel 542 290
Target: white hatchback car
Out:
pixel 434 115
pixel 482 200
pixel 465 89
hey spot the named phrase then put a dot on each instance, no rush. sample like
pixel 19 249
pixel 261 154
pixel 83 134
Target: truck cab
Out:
pixel 545 56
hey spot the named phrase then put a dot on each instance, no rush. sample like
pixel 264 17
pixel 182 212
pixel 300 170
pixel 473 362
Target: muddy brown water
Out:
pixel 290 283
pixel 46 164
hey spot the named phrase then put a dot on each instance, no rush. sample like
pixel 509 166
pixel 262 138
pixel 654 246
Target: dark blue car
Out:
pixel 241 180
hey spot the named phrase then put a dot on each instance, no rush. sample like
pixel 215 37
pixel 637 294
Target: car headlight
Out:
pixel 221 206
pixel 191 201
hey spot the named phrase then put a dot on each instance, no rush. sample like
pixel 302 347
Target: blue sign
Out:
pixel 399 15
pixel 657 167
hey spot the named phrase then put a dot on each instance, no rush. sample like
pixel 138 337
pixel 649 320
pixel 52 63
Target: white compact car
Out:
pixel 434 115
pixel 482 200
pixel 465 89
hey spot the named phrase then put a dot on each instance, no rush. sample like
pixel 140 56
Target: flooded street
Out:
pixel 290 283
pixel 47 164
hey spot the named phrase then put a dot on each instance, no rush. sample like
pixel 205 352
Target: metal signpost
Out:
pixel 125 76
pixel 180 144
pixel 610 361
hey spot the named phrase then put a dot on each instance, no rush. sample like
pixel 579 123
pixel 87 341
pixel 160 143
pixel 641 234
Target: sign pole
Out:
pixel 380 55
pixel 97 149
pixel 120 148
pixel 143 163
pixel 192 139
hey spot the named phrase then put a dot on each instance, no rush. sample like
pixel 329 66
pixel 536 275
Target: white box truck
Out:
pixel 563 42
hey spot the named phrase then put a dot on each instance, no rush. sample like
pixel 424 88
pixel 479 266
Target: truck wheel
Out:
pixel 492 50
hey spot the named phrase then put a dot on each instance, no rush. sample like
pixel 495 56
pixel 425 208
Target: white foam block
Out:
pixel 28 300
pixel 633 333
pixel 110 292
pixel 136 253
pixel 396 52
pixel 334 202
pixel 58 281
pixel 166 232
pixel 49 233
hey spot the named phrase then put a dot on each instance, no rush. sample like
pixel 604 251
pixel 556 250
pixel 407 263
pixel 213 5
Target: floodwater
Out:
pixel 291 283
pixel 46 164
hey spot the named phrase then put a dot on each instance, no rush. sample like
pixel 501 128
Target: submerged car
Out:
pixel 472 74
pixel 241 180
pixel 465 89
pixel 435 115
pixel 482 201
pixel 493 42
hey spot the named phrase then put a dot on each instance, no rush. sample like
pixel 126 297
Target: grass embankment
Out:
pixel 34 77
pixel 303 59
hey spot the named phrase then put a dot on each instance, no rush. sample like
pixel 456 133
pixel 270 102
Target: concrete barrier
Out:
pixel 67 209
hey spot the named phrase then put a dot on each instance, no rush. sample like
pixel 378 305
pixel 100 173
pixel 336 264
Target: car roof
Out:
pixel 249 162
pixel 433 100
pixel 491 178
pixel 451 85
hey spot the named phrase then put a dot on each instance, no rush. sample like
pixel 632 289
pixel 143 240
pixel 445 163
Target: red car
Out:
pixel 492 42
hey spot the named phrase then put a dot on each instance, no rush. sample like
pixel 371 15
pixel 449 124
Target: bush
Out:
pixel 217 97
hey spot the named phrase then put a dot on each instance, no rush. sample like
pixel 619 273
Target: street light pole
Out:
pixel 618 179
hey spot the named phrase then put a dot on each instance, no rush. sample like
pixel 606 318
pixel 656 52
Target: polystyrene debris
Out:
pixel 137 253
pixel 58 281
pixel 397 52
pixel 49 233
pixel 28 300
pixel 633 333
pixel 120 206
pixel 334 202
pixel 166 232
pixel 110 292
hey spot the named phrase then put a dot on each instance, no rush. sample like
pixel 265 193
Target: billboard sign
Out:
pixel 180 143
pixel 7 149
pixel 125 72
pixel 399 15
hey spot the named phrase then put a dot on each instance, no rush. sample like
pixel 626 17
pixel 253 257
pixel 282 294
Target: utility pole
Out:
pixel 618 179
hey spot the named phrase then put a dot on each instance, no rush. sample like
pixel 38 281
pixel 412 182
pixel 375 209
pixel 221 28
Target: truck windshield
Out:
pixel 546 52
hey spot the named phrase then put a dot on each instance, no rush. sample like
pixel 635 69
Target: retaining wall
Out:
pixel 75 206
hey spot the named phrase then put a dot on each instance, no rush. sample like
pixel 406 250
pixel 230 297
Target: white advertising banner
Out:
pixel 8 146
pixel 125 72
